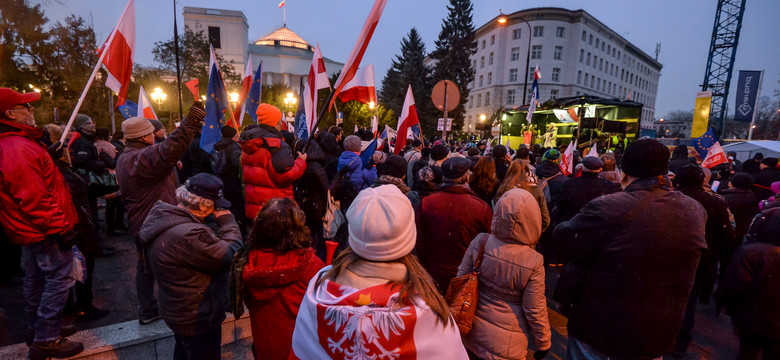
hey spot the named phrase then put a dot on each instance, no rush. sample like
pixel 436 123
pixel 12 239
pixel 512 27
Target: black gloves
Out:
pixel 196 112
pixel 56 153
pixel 540 354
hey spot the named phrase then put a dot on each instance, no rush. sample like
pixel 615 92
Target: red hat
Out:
pixel 10 98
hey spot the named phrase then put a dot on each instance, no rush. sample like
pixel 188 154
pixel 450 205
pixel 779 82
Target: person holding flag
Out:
pixel 406 121
pixel 216 106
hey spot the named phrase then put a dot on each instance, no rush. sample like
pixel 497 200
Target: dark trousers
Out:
pixel 144 284
pixel 752 346
pixel 684 337
pixel 10 259
pixel 199 347
pixel 84 293
pixel 115 215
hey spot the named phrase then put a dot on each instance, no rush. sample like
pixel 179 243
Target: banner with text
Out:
pixel 747 91
pixel 701 113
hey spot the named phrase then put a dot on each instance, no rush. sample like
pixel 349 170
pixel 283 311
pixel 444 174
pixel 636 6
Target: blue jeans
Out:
pixel 47 280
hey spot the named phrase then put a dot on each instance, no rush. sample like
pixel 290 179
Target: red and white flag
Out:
pixel 318 79
pixel 281 4
pixel 361 88
pixel 352 64
pixel 567 160
pixel 119 59
pixel 406 121
pixel 145 106
pixel 715 156
pixel 341 322
pixel 245 86
pixel 594 151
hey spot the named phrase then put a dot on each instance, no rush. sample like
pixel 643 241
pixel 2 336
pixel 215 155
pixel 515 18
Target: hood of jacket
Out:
pixel 314 152
pixel 250 142
pixel 223 143
pixel 266 273
pixel 347 158
pixel 517 218
pixel 547 169
pixel 328 143
pixel 161 218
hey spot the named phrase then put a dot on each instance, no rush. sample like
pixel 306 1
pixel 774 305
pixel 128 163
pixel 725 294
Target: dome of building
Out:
pixel 283 36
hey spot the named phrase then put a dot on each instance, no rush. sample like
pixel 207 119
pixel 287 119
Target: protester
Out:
pixel 191 264
pixel 439 153
pixel 610 171
pixel 519 176
pixel 743 204
pixel 115 211
pixel 447 222
pixel 679 159
pixel 145 175
pixel 579 191
pixel 612 314
pixel 718 234
pixel 226 161
pixel 425 160
pixel 512 306
pixel 37 212
pixel 411 158
pixel 549 170
pixel 428 181
pixel 278 266
pixel 353 166
pixel 752 166
pixel 159 131
pixel 119 141
pixel 195 160
pixel 502 160
pixel 267 161
pixel 393 173
pixel 311 190
pixel 483 181
pixel 406 318
pixel 764 178
pixel 750 290
pixel 772 201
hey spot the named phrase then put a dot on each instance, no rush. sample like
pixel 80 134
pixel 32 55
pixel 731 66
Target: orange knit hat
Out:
pixel 268 114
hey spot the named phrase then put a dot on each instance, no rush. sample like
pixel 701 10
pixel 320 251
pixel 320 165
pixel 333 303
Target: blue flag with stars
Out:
pixel 253 99
pixel 128 109
pixel 367 155
pixel 216 105
pixel 704 143
pixel 300 117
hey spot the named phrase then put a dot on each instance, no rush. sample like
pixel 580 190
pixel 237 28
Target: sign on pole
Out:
pixel 440 125
pixel 747 95
pixel 446 97
pixel 701 113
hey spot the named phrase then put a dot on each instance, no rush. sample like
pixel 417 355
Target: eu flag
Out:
pixel 702 144
pixel 216 104
pixel 128 109
pixel 366 156
pixel 300 117
pixel 255 91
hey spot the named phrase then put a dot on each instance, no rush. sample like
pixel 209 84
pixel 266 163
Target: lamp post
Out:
pixel 290 100
pixel 502 19
pixel 482 118
pixel 158 96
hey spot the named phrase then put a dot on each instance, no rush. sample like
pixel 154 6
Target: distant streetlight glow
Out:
pixel 482 117
pixel 233 97
pixel 158 96
pixel 371 105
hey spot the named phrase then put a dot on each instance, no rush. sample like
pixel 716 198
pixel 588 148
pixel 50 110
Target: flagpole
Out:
pixel 319 118
pixel 178 67
pixel 89 84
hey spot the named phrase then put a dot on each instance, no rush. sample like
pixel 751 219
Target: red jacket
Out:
pixel 34 199
pixel 275 285
pixel 261 181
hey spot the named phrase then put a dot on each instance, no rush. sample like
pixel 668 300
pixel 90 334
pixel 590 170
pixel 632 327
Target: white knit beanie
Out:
pixel 381 224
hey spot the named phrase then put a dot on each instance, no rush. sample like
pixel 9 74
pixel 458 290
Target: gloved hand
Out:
pixel 197 112
pixel 540 354
pixel 56 151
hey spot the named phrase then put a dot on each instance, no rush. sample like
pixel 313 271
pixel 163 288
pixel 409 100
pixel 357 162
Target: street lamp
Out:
pixel 290 100
pixel 502 19
pixel 158 96
pixel 233 97
pixel 371 105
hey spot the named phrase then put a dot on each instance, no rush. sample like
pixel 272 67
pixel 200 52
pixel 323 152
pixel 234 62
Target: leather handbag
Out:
pixel 463 293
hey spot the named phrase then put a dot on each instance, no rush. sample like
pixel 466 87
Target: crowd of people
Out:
pixel 639 236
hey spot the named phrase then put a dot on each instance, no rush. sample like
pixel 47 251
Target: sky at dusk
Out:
pixel 683 27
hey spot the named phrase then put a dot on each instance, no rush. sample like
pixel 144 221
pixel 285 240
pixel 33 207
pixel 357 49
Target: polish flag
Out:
pixel 318 79
pixel 352 64
pixel 281 4
pixel 361 88
pixel 193 86
pixel 567 161
pixel 120 52
pixel 145 106
pixel 406 121
pixel 245 86
pixel 715 156
pixel 594 151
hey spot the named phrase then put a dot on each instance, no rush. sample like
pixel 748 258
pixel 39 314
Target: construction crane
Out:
pixel 720 62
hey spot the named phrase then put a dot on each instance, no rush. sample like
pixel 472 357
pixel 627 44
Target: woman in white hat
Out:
pixel 376 300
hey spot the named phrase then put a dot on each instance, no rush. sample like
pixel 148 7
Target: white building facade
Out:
pixel 576 54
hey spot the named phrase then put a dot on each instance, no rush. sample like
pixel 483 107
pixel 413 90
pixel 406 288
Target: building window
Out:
pixel 515 54
pixel 583 35
pixel 536 52
pixel 480 80
pixel 592 80
pixel 598 84
pixel 588 62
pixel 601 64
pixel 482 62
pixel 487 98
pixel 618 55
pixel 471 101
pixel 483 44
pixel 538 31
pixel 490 59
pixel 556 74
pixel 490 78
pixel 595 61
pixel 558 52
pixel 586 79
pixel 560 31
pixel 602 46
pixel 582 55
pixel 597 43
pixel 613 52
pixel 515 34
pixel 479 100
pixel 512 75
pixel 475 64
pixel 609 48
pixel 510 97
pixel 214 37
pixel 579 77
pixel 492 39
pixel 530 74
pixel 590 39
pixel 553 94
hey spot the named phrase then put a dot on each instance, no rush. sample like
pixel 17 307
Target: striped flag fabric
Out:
pixel 715 156
pixel 246 84
pixel 318 79
pixel 361 88
pixel 144 106
pixel 407 119
pixel 535 95
pixel 119 59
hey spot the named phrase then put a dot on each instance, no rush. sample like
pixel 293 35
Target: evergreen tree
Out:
pixel 408 68
pixel 194 59
pixel 454 48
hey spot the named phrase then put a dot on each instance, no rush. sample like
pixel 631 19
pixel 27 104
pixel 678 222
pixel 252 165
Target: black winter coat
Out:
pixel 744 206
pixel 233 188
pixel 579 191
pixel 639 271
pixel 765 178
pixel 551 172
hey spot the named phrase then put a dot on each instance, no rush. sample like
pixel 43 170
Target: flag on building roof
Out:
pixel 255 91
pixel 300 117
pixel 216 105
pixel 361 88
pixel 281 4
pixel 703 143
pixel 407 119
pixel 119 59
pixel 145 108
pixel 715 156
pixel 353 62
pixel 317 79
pixel 128 109
pixel 246 85
pixel 534 94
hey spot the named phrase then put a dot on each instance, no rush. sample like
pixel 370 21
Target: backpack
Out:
pixel 347 191
pixel 219 162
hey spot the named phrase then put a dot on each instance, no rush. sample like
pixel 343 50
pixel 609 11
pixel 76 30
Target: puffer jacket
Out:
pixel 362 178
pixel 551 172
pixel 190 264
pixel 268 167
pixel 35 202
pixel 512 307
pixel 274 286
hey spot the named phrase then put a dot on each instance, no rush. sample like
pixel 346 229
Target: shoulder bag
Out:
pixel 462 293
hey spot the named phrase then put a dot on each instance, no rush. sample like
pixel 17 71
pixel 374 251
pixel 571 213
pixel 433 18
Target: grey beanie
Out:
pixel 352 143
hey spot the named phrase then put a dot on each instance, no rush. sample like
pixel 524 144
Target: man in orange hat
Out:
pixel 36 211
